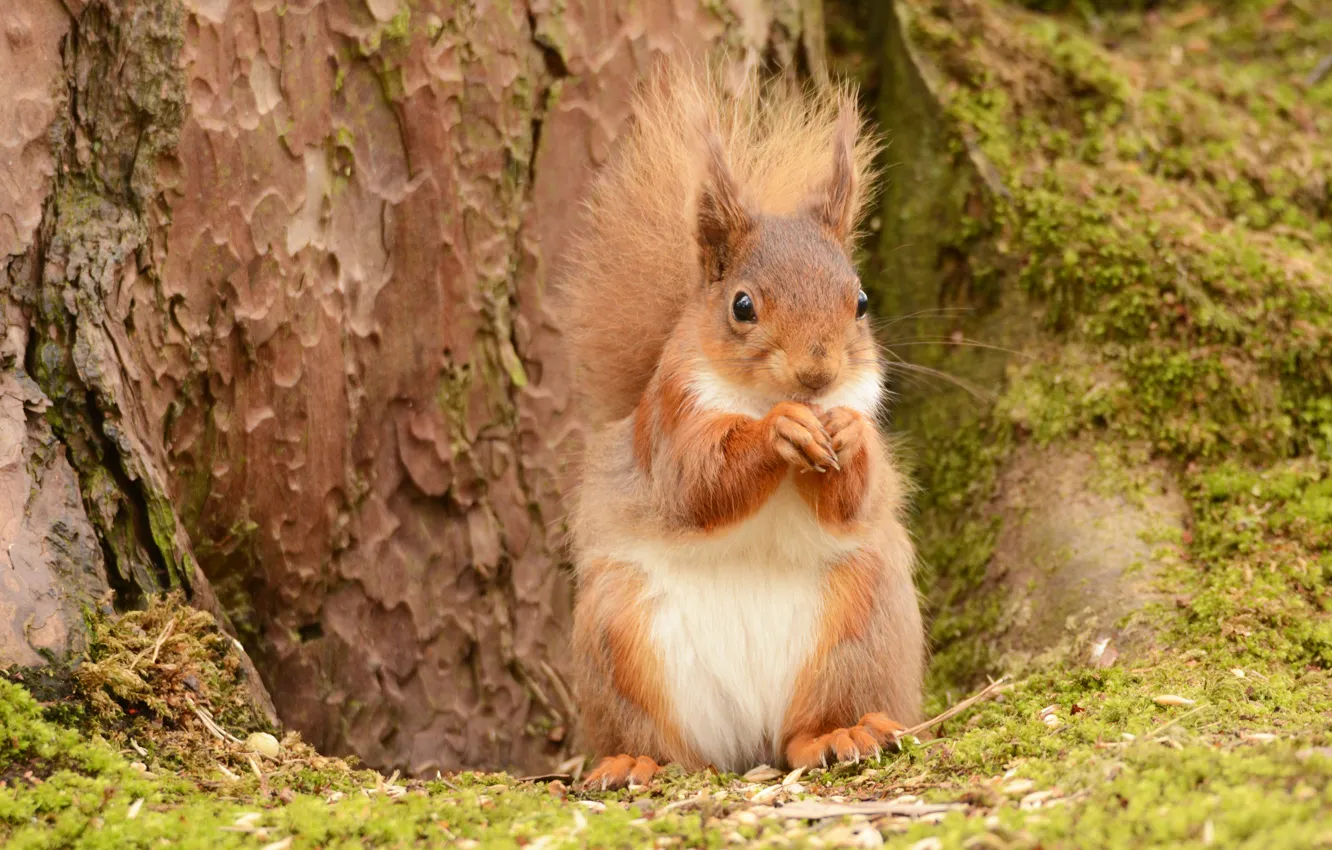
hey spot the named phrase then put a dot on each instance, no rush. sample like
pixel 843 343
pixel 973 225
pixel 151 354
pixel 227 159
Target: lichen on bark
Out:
pixel 122 112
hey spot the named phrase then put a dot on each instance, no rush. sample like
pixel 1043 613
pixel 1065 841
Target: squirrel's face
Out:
pixel 787 316
pixel 785 311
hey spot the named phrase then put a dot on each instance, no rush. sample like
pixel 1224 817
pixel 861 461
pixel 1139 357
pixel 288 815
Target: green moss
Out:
pixel 1135 216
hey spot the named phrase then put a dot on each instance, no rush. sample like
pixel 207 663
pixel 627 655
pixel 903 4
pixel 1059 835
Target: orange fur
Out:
pixel 850 674
pixel 700 414
pixel 633 261
pixel 619 689
pixel 840 497
pixel 621 771
pixel 847 604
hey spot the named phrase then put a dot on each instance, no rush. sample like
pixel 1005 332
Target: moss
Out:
pixel 1130 211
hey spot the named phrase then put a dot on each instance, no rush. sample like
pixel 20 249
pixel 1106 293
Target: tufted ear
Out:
pixel 723 220
pixel 832 204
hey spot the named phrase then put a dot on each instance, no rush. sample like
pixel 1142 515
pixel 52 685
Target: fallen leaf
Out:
pixel 762 773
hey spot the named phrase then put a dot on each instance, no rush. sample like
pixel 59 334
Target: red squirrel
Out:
pixel 744 577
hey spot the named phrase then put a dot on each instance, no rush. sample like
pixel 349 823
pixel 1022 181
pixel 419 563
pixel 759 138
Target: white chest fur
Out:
pixel 734 619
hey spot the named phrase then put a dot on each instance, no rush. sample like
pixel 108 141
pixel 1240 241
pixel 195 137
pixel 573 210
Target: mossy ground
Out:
pixel 1164 224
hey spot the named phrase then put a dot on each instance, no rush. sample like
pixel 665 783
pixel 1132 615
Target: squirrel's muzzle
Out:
pixel 815 379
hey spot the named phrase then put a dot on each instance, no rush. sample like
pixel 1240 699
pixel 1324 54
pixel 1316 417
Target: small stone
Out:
pixel 139 766
pixel 286 795
pixel 556 788
pixel 264 744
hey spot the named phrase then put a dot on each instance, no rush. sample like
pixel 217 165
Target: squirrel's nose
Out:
pixel 815 379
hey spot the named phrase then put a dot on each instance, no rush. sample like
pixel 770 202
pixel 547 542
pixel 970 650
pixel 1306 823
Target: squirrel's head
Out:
pixel 785 311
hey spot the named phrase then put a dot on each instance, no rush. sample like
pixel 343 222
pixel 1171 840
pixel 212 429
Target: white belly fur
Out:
pixel 734 619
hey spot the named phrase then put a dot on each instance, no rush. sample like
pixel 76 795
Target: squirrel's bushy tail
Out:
pixel 633 262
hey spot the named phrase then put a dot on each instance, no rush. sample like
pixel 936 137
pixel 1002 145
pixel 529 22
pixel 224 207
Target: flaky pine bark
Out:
pixel 276 313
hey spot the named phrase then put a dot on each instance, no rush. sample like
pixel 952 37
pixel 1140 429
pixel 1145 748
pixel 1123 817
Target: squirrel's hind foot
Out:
pixel 864 740
pixel 623 771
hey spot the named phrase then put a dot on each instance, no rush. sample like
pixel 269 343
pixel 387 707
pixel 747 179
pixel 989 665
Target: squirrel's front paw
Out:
pixel 800 438
pixel 864 740
pixel 619 772
pixel 848 431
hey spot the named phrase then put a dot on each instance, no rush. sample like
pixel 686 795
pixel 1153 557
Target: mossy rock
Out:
pixel 1078 558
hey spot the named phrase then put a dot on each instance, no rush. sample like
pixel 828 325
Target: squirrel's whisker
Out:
pixel 963 343
pixel 931 313
pixel 952 379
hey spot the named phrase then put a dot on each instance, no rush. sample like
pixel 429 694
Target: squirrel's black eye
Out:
pixel 862 304
pixel 743 308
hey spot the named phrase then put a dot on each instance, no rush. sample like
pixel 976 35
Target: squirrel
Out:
pixel 744 588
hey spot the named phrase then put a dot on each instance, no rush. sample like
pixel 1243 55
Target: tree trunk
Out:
pixel 277 334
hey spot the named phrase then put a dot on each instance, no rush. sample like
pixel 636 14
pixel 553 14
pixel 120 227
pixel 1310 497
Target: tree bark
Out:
pixel 277 334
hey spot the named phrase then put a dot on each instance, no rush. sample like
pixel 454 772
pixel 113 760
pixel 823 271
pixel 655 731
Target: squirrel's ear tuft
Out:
pixel 723 220
pixel 834 202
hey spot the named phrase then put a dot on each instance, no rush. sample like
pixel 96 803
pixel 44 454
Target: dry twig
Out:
pixel 211 725
pixel 157 645
pixel 988 691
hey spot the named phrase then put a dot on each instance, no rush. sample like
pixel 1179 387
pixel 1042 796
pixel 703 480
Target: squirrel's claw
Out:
pixel 865 740
pixel 623 771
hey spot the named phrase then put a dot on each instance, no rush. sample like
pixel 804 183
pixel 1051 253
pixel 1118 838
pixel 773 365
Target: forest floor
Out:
pixel 1166 209
pixel 151 750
